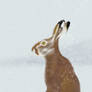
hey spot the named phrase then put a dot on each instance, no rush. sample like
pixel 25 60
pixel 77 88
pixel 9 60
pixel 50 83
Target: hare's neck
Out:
pixel 55 54
pixel 57 48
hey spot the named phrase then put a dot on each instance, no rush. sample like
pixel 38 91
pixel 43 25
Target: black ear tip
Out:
pixel 60 22
pixel 68 24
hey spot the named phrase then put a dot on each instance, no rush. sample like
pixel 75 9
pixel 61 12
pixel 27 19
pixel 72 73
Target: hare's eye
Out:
pixel 44 43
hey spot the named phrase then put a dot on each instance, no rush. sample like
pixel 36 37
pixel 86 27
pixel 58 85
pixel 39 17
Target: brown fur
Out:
pixel 59 74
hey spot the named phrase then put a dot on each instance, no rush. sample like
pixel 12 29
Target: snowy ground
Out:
pixel 27 74
pixel 30 77
pixel 24 22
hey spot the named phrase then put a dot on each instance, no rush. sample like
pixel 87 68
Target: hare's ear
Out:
pixel 56 32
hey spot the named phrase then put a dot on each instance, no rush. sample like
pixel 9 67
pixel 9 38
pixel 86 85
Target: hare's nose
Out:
pixel 35 46
pixel 60 22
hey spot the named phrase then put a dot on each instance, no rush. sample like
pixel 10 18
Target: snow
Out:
pixel 27 74
pixel 29 77
pixel 24 22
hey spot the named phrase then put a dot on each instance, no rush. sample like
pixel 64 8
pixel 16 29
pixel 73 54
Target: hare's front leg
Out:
pixel 48 90
pixel 53 89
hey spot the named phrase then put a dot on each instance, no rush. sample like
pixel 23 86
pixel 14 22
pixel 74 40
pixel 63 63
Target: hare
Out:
pixel 59 73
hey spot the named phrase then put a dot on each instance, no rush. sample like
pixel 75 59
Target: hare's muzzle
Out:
pixel 34 48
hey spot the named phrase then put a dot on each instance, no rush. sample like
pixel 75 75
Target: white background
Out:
pixel 24 22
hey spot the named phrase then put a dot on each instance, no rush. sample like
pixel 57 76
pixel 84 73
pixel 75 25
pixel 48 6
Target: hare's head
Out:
pixel 47 46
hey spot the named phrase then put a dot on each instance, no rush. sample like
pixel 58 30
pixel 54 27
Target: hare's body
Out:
pixel 59 74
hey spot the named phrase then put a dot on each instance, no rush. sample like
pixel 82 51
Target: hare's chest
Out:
pixel 50 70
pixel 51 73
